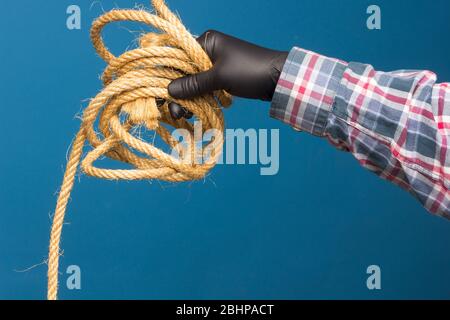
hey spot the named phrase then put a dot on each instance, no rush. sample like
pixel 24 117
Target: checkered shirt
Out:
pixel 396 124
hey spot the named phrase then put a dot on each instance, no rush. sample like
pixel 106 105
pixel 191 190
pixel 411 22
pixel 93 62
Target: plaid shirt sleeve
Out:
pixel 396 124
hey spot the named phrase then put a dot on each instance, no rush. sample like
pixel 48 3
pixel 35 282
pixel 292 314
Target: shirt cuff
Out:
pixel 305 92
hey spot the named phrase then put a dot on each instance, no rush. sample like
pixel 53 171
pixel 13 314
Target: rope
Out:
pixel 135 83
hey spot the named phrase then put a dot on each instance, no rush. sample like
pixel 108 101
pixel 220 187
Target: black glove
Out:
pixel 239 67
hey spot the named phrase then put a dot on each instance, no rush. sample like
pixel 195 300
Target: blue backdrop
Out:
pixel 308 232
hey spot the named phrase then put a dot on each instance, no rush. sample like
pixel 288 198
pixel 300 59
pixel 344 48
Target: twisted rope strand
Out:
pixel 133 82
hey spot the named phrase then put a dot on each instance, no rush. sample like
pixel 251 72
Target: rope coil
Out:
pixel 134 83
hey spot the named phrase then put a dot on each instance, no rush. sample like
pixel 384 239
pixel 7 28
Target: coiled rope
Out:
pixel 134 83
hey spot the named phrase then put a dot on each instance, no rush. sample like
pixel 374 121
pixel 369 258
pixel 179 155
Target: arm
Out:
pixel 396 124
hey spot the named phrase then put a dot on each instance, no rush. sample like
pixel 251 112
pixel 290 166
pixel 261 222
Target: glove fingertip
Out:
pixel 176 111
pixel 175 89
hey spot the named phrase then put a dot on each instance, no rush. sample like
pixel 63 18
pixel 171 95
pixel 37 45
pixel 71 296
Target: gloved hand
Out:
pixel 239 67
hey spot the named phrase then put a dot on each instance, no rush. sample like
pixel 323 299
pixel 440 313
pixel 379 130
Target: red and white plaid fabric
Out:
pixel 396 124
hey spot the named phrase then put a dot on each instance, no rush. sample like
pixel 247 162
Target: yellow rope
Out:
pixel 132 84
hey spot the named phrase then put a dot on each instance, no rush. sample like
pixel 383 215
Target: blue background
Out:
pixel 309 232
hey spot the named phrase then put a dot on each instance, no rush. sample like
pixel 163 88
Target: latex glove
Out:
pixel 239 67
